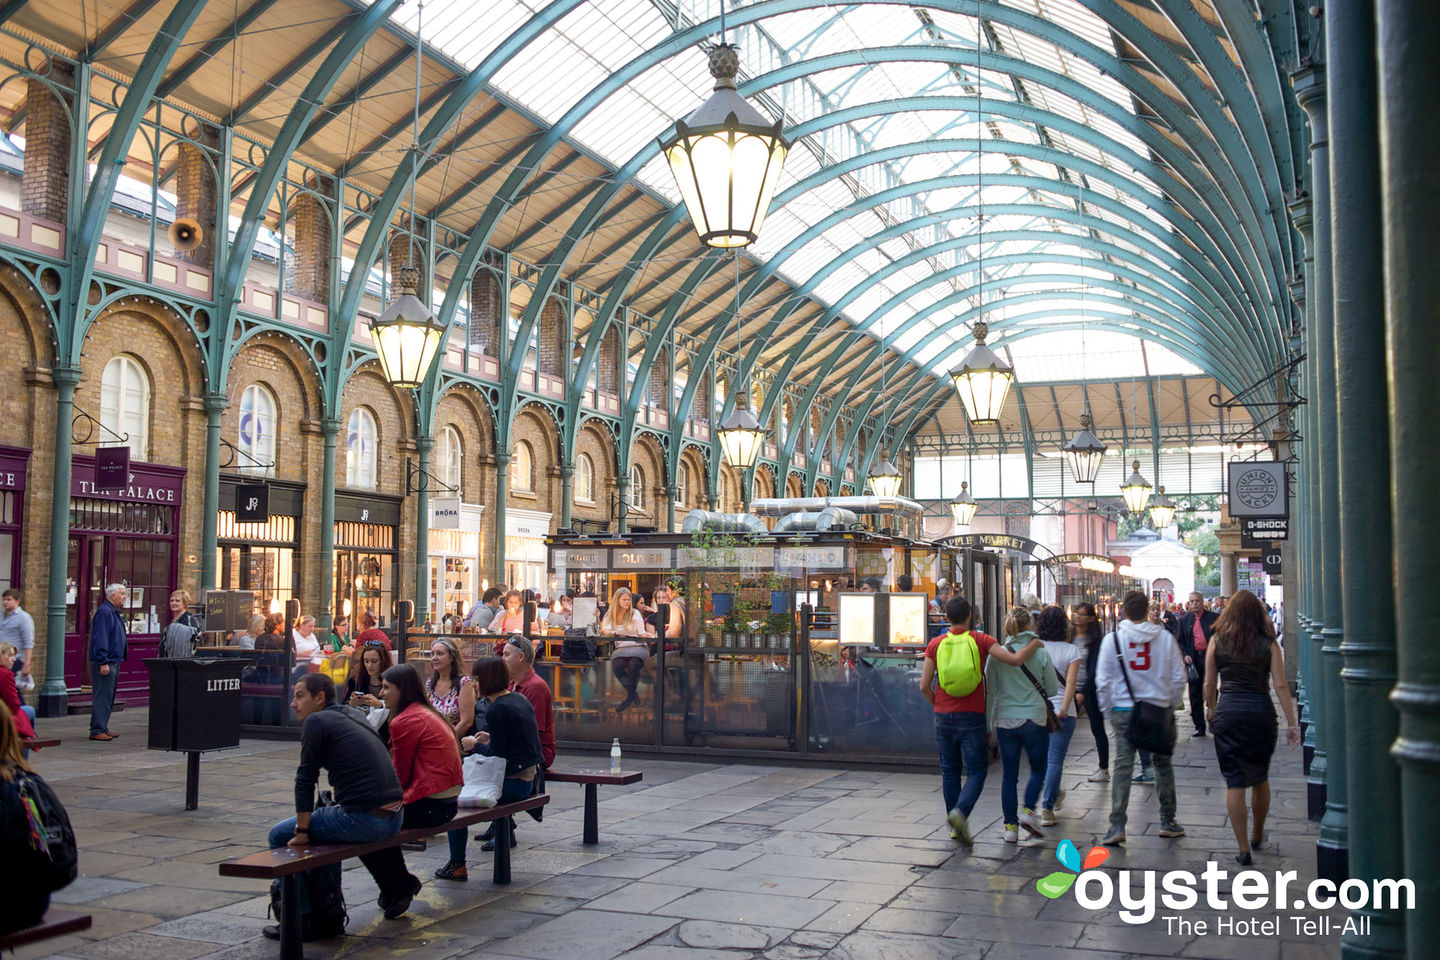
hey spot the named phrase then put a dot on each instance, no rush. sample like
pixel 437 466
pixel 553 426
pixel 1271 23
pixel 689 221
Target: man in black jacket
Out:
pixel 1196 626
pixel 369 802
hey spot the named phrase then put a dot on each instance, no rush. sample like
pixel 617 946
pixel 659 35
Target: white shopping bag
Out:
pixel 376 717
pixel 484 778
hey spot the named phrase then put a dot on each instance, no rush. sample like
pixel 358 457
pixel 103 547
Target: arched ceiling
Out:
pixel 1116 165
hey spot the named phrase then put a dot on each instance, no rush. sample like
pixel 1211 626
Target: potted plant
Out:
pixel 777 630
pixel 730 632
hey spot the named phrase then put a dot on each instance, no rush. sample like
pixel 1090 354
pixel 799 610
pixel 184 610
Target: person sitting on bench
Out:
pixel 427 759
pixel 369 800
pixel 35 865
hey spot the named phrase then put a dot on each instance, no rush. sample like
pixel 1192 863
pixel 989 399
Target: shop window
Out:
pixel 448 456
pixel 256 449
pixel 361 440
pixel 584 478
pixel 522 468
pixel 125 406
pixel 637 488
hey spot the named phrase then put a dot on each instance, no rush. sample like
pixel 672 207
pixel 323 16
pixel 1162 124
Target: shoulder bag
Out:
pixel 1052 720
pixel 1151 728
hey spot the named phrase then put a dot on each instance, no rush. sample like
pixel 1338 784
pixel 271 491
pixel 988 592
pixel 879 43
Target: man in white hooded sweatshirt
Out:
pixel 1156 671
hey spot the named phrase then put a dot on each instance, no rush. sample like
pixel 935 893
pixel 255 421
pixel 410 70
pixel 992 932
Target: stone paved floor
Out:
pixel 710 861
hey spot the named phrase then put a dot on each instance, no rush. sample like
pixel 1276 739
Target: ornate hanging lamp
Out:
pixel 963 507
pixel 1084 452
pixel 1135 490
pixel 1162 509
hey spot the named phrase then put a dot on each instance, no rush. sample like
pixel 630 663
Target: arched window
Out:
pixel 361 441
pixel 584 479
pixel 256 448
pixel 682 487
pixel 522 467
pixel 125 406
pixel 637 488
pixel 448 456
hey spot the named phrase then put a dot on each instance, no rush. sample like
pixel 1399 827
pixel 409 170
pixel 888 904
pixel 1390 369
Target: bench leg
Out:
pixel 291 945
pixel 192 779
pixel 502 850
pixel 592 814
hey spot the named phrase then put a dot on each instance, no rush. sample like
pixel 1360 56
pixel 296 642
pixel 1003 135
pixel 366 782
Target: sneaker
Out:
pixel 1059 800
pixel 1031 823
pixel 960 828
pixel 453 870
pixel 1146 775
pixel 1114 837
pixel 1099 776
pixel 1012 833
pixel 1047 817
pixel 1171 828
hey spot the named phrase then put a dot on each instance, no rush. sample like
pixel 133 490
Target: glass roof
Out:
pixel 913 284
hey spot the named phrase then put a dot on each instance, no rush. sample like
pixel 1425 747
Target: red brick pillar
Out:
pixel 45 179
pixel 485 311
pixel 406 251
pixel 552 336
pixel 196 195
pixel 310 275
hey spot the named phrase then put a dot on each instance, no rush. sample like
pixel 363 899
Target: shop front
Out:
pixel 525 556
pixel 367 531
pixel 127 536
pixel 263 557
pixel 454 558
pixel 13 461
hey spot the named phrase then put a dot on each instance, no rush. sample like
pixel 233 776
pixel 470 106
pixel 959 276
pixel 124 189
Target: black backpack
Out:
pixel 51 860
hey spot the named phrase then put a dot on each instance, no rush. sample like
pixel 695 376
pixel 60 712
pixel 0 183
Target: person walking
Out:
pixel 1087 636
pixel 1139 661
pixel 1196 628
pixel 1016 710
pixel 1242 661
pixel 953 683
pixel 107 651
pixel 1067 659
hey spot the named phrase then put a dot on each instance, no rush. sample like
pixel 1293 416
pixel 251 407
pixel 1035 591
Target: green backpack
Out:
pixel 957 662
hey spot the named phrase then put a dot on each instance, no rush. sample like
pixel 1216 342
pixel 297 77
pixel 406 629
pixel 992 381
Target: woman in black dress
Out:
pixel 1243 660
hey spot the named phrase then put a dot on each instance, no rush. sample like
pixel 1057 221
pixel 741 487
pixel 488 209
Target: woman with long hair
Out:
pixel 1066 658
pixel 511 732
pixel 449 686
pixel 1088 636
pixel 632 649
pixel 362 689
pixel 1242 661
pixel 1016 712
pixel 26 900
pixel 426 755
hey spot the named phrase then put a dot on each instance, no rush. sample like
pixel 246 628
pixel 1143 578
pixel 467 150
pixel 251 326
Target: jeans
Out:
pixel 388 866
pixel 963 748
pixel 29 712
pixel 514 789
pixel 102 697
pixel 1033 738
pixel 1055 760
pixel 1124 768
pixel 1097 725
pixel 333 824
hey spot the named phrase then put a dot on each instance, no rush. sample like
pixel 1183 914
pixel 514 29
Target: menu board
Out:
pixel 907 624
pixel 857 619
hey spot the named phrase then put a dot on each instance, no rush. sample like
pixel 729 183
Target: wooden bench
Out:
pixel 287 863
pixel 592 780
pixel 55 923
pixel 38 744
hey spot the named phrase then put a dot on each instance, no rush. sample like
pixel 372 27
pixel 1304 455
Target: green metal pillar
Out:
pixel 215 405
pixel 622 509
pixel 567 492
pixel 1368 649
pixel 325 617
pixel 671 492
pixel 54 701
pixel 1297 584
pixel 502 492
pixel 1410 145
pixel 1309 84
pixel 423 446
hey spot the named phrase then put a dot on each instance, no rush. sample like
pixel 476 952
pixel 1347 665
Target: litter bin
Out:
pixel 194 706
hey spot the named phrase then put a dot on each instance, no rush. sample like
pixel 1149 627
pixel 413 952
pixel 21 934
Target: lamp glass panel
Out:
pixel 741 447
pixel 886 485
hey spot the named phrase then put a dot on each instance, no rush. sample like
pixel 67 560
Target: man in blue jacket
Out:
pixel 107 652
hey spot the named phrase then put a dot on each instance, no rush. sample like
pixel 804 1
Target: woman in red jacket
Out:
pixel 427 758
pixel 10 696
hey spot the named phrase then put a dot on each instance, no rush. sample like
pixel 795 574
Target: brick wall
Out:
pixel 609 360
pixel 45 180
pixel 595 442
pixel 659 389
pixel 552 337
pixel 310 275
pixel 535 428
pixel 462 408
pixel 485 304
pixel 195 194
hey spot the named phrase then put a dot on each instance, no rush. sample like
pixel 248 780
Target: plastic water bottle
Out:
pixel 615 756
